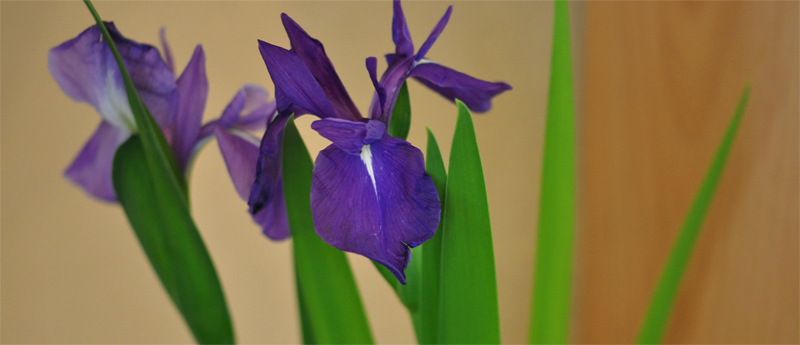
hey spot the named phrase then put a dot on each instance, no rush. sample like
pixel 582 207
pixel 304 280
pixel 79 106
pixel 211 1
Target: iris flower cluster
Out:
pixel 370 194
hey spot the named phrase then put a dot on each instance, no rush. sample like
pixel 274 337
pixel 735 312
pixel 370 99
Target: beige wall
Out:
pixel 72 270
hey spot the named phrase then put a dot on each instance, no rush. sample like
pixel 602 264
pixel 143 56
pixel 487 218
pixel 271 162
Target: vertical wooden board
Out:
pixel 660 83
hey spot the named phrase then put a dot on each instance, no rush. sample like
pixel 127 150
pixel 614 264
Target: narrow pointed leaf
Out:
pixel 325 282
pixel 553 266
pixel 153 193
pixel 431 254
pixel 172 243
pixel 401 115
pixel 469 313
pixel 305 318
pixel 663 300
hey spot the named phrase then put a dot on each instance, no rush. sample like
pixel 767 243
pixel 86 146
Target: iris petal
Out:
pixel 296 89
pixel 91 168
pixel 437 30
pixel 312 53
pixel 349 136
pixel 268 167
pixel 86 71
pixel 192 95
pixel 400 34
pixel 475 93
pixel 378 204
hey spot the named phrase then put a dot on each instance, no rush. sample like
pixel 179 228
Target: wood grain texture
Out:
pixel 661 82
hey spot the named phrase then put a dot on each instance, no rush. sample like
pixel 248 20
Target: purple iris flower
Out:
pixel 86 71
pixel 370 194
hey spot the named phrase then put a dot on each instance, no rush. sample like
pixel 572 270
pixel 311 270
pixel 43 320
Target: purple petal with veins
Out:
pixel 378 204
pixel 475 93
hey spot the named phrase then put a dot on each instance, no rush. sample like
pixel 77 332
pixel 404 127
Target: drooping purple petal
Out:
pixel 437 30
pixel 349 136
pixel 272 218
pixel 91 168
pixel 312 53
pixel 266 199
pixel 268 166
pixel 400 34
pixel 377 204
pixel 296 89
pixel 192 95
pixel 240 156
pixel 167 51
pixel 475 93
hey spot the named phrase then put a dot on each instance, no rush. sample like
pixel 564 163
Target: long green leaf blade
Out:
pixel 430 254
pixel 401 116
pixel 663 300
pixel 553 266
pixel 153 192
pixel 305 319
pixel 157 151
pixel 324 277
pixel 469 312
pixel 172 243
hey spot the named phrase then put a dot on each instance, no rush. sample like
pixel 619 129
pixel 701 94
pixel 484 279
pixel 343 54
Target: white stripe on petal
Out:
pixel 366 157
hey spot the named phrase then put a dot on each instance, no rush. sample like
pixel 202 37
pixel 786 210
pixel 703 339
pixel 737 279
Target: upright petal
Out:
pixel 400 35
pixel 91 169
pixel 295 87
pixel 162 34
pixel 437 30
pixel 475 93
pixel 391 81
pixel 241 154
pixel 378 204
pixel 192 95
pixel 312 53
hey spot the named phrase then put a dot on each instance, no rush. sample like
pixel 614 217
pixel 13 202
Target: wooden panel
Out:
pixel 661 82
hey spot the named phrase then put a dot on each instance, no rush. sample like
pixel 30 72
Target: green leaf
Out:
pixel 469 313
pixel 430 255
pixel 401 116
pixel 324 278
pixel 305 318
pixel 153 193
pixel 664 297
pixel 553 266
pixel 156 149
pixel 168 236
